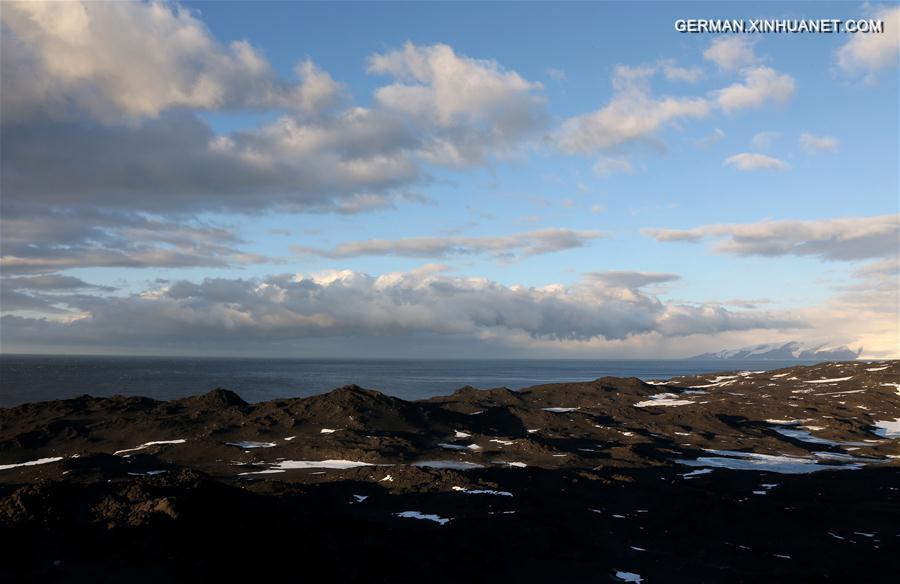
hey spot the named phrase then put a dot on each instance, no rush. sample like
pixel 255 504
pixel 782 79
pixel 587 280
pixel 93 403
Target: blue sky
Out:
pixel 751 196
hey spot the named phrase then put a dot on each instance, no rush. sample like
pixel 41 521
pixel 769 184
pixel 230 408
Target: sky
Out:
pixel 424 180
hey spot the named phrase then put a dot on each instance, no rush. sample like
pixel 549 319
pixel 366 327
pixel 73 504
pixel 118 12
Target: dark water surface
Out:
pixel 28 378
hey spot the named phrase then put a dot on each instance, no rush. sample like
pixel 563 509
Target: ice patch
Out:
pixel 149 444
pixel 360 498
pixel 31 462
pixel 459 446
pixel 259 472
pixel 894 385
pixel 805 436
pixel 417 515
pixel 888 428
pixel 503 442
pixel 559 410
pixel 448 464
pixel 842 392
pixel 289 438
pixel 879 368
pixel 536 429
pixel 149 473
pixel 695 473
pixel 327 431
pixel 628 577
pixel 483 492
pixel 663 399
pixel 249 444
pixel 832 380
pixel 387 478
pixel 782 464
pixel 517 464
pixel 459 434
pixel 283 465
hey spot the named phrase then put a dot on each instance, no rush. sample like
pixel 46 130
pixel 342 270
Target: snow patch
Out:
pixel 782 464
pixel 31 462
pixel 448 464
pixel 425 516
pixel 628 577
pixel 832 380
pixel 888 428
pixel 249 444
pixel 663 399
pixel 149 444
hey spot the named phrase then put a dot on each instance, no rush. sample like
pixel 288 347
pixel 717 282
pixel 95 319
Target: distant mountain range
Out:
pixel 786 350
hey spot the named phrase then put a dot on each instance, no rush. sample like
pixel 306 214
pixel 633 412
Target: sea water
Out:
pixel 29 378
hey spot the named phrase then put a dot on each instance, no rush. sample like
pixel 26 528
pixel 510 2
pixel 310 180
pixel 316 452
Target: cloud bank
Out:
pixel 348 303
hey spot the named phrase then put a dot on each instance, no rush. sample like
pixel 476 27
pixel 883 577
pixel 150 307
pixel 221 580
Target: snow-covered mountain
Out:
pixel 785 350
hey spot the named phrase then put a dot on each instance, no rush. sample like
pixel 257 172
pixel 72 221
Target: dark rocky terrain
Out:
pixel 790 475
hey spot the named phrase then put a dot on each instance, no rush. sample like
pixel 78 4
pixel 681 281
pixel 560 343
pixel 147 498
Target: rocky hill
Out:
pixel 743 476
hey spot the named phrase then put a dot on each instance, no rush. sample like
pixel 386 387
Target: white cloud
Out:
pixel 632 114
pixel 731 53
pixel 812 143
pixel 507 247
pixel 764 140
pixel 760 85
pixel 125 60
pixel 842 239
pixel 685 74
pixel 755 161
pixel 608 165
pixel 476 103
pixel 868 53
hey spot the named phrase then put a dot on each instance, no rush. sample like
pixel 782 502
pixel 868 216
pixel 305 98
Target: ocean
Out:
pixel 30 378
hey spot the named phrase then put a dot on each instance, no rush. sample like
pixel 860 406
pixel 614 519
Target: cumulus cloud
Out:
pixel 347 303
pixel 843 239
pixel 755 161
pixel 759 86
pixel 813 144
pixel 470 104
pixel 867 53
pixel 686 74
pixel 121 60
pixel 731 53
pixel 107 94
pixel 632 114
pixel 530 243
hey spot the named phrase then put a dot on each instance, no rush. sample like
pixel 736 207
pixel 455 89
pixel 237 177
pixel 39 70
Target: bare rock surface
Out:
pixel 745 476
